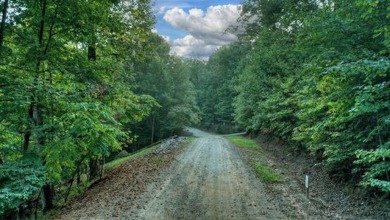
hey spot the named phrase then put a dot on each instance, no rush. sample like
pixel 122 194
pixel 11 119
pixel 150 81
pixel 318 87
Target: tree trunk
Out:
pixel 78 175
pixel 152 136
pixel 27 133
pixel 2 25
pixel 34 111
pixel 94 169
pixel 102 162
pixel 94 163
pixel 48 191
pixel 48 197
pixel 91 53
pixel 92 46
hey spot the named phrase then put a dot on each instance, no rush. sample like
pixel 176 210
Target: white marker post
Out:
pixel 307 185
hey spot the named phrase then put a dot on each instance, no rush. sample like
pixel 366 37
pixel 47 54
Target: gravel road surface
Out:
pixel 208 181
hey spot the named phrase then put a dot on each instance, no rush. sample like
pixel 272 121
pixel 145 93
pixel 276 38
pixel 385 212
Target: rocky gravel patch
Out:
pixel 169 144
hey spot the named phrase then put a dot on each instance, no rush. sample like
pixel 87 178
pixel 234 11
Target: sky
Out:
pixel 196 28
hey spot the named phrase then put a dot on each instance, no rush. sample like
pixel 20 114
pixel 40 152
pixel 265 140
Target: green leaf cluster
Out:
pixel 19 182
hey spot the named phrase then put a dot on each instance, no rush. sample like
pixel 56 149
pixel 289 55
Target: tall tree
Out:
pixel 4 12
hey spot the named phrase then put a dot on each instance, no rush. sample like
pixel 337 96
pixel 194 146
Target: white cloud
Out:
pixel 206 29
pixel 190 46
pixel 162 10
pixel 162 6
pixel 166 38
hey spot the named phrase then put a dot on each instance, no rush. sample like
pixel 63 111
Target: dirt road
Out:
pixel 208 181
pixel 211 179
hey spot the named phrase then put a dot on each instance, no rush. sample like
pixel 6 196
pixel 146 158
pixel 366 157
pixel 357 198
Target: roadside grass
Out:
pixel 265 173
pixel 190 139
pixel 116 163
pixel 245 143
pixel 262 171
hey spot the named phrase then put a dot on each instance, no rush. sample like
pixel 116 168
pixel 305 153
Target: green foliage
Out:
pixel 354 107
pixel 315 74
pixel 84 131
pixel 377 175
pixel 167 79
pixel 19 181
pixel 67 89
pixel 330 97
pixel 264 102
pixel 214 85
pixel 380 12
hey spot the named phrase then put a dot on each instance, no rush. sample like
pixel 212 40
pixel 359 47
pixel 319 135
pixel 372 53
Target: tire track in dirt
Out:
pixel 208 181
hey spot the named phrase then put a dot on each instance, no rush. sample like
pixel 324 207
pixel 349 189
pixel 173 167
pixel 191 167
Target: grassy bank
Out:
pixel 265 173
pixel 245 143
pixel 115 163
pixel 257 161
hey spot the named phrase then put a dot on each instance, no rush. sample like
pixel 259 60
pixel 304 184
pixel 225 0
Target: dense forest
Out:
pixel 315 74
pixel 82 80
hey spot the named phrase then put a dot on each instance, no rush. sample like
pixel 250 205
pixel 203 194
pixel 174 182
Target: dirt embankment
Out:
pixel 328 199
